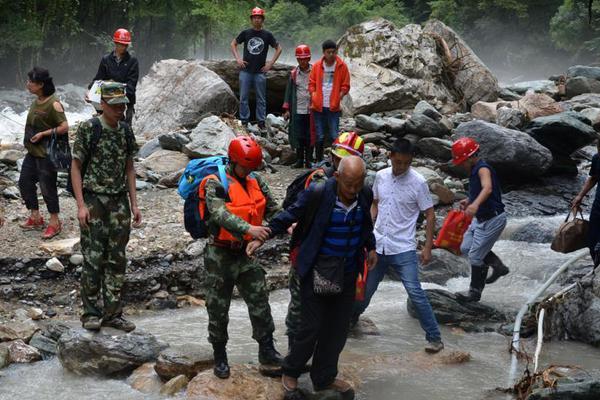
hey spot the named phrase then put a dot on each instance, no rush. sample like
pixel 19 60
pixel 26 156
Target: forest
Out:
pixel 517 38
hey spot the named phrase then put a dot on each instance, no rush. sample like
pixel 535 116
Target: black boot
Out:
pixel 478 275
pixel 299 157
pixel 308 160
pixel 267 354
pixel 221 369
pixel 319 152
pixel 498 267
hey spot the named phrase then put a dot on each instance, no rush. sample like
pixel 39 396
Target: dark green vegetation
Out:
pixel 69 36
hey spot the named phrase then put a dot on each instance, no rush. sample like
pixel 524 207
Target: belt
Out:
pixel 229 244
pixel 488 216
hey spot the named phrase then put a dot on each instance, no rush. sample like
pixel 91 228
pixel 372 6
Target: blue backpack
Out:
pixel 194 173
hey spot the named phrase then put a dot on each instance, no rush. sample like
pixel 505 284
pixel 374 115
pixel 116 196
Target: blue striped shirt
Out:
pixel 343 233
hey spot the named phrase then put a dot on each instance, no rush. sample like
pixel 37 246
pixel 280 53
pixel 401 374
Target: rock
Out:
pixel 536 105
pixel 584 71
pixel 142 185
pixel 445 195
pixel 288 156
pixel 394 126
pixel 274 122
pixel 588 389
pixel 210 138
pixel 475 80
pixel 369 124
pixel 374 137
pixel 10 157
pixel 547 87
pixel 63 247
pixel 512 153
pixel 437 148
pixel 86 353
pixel 161 294
pixel 19 352
pixel 173 141
pixel 174 386
pixel 35 313
pixel 189 301
pixel 4 355
pixel 178 93
pixel 510 118
pixel 444 265
pixel 430 175
pixel 593 114
pixel 165 162
pixel 485 111
pixel 533 232
pixel 149 147
pixel 583 101
pixel 423 126
pixel 45 345
pixel 449 310
pixel 427 109
pixel 245 383
pixel 188 361
pixel 196 248
pixel 171 180
pixel 580 85
pixel 55 265
pixel 169 303
pixel 144 379
pixel 76 259
pixel 366 326
pixel 508 95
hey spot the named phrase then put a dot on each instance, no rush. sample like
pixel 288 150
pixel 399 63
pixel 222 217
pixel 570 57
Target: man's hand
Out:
pixel 83 215
pixel 259 232
pixel 371 260
pixel 137 217
pixel 86 98
pixel 252 247
pixel 37 137
pixel 286 115
pixel 576 203
pixel 241 63
pixel 290 230
pixel 426 255
pixel 267 67
pixel 463 204
pixel 471 209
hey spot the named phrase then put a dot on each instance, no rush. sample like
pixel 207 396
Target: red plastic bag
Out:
pixel 361 283
pixel 452 232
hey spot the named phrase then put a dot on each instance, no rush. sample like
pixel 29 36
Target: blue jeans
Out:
pixel 259 81
pixel 406 267
pixel 327 118
pixel 480 238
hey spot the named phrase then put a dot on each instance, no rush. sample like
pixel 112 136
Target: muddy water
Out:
pixel 411 378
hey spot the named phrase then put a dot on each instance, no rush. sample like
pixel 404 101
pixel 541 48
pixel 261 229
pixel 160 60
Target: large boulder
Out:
pixel 582 79
pixel 515 155
pixel 440 149
pixel 210 138
pixel 583 101
pixel 165 162
pixel 424 126
pixel 177 93
pixel 86 353
pixel 541 86
pixel 444 266
pixel 536 105
pixel 188 361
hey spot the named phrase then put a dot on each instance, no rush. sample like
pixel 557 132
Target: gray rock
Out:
pixel 508 95
pixel 437 148
pixel 511 118
pixel 275 122
pixel 85 353
pixel 512 153
pixel 10 157
pixel 394 126
pixel 374 137
pixel 210 138
pixel 444 266
pixel 188 361
pixel 55 265
pixel 584 71
pixel 76 259
pixel 46 346
pixel 582 390
pixel 4 355
pixel 580 85
pixel 578 103
pixel 423 126
pixel 534 232
pixel 178 93
pixel 541 86
pixel 430 175
pixel 164 162
pixel 173 141
pixel 593 114
pixel 151 146
pixel 459 118
pixel 369 124
pixel 427 109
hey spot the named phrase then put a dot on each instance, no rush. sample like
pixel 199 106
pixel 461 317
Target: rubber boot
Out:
pixel 498 267
pixel 299 157
pixel 221 368
pixel 267 354
pixel 308 160
pixel 478 275
pixel 319 152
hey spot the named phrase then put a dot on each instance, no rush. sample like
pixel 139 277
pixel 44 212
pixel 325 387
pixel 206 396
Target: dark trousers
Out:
pixel 325 321
pixel 302 122
pixel 594 229
pixel 38 170
pixel 129 114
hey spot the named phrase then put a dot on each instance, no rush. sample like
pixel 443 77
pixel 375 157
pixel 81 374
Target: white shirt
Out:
pixel 328 71
pixel 400 200
pixel 302 95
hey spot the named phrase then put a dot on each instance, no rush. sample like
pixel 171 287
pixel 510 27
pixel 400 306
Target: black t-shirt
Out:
pixel 256 47
pixel 595 172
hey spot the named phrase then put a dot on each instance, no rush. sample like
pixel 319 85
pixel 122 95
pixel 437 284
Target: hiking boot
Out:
pixel 319 150
pixel 434 347
pixel 342 387
pixel 221 368
pixel 51 231
pixel 308 157
pixel 32 224
pixel 267 354
pixel 91 324
pixel 299 158
pixel 478 275
pixel 119 323
pixel 498 267
pixel 290 388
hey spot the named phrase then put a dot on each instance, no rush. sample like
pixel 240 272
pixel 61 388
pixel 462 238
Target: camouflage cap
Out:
pixel 114 93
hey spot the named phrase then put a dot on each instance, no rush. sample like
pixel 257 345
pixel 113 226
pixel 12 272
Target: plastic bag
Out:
pixel 452 232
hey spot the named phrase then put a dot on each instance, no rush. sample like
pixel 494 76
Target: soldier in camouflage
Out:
pixel 102 175
pixel 235 218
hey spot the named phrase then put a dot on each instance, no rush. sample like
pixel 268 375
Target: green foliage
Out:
pixel 571 29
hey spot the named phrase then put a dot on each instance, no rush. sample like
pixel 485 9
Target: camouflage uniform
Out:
pixel 103 243
pixel 227 268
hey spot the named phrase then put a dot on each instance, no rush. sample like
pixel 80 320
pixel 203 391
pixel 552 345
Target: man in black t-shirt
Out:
pixel 253 67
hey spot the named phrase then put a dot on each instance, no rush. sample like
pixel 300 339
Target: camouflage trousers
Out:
pixel 225 269
pixel 103 246
pixel 292 320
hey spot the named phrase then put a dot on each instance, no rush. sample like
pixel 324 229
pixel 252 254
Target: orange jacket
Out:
pixel 249 204
pixel 341 85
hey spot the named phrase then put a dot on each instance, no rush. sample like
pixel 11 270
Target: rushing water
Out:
pixel 400 336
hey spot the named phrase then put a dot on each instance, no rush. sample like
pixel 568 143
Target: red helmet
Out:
pixel 302 51
pixel 348 144
pixel 257 11
pixel 462 149
pixel 122 36
pixel 244 151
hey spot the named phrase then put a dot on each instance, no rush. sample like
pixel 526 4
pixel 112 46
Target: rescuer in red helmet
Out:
pixel 120 66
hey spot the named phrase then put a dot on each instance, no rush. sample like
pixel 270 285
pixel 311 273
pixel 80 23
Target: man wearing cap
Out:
pixel 485 205
pixel 120 66
pixel 103 180
pixel 253 66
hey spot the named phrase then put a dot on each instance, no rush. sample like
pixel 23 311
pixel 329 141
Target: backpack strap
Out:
pixel 223 178
pixel 311 208
pixel 96 133
pixel 129 136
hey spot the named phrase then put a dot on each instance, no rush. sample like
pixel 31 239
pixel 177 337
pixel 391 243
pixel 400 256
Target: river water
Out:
pixel 408 377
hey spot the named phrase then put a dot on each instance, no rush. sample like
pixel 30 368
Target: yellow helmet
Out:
pixel 348 144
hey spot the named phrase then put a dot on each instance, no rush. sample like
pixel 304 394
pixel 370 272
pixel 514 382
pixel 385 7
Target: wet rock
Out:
pixel 547 87
pixel 534 232
pixel 512 153
pixel 86 353
pixel 449 310
pixel 188 361
pixel 45 345
pixel 63 247
pixel 439 149
pixel 173 141
pixel 444 265
pixel 510 118
pixel 423 126
pixel 210 138
pixel 174 385
pixel 76 259
pixel 4 355
pixel 588 389
pixel 178 93
pixel 19 352
pixel 369 124
pixel 23 330
pixel 157 304
pixel 166 161
pixel 144 379
pixel 149 147
pixel 365 326
pixel 445 195
pixel 55 265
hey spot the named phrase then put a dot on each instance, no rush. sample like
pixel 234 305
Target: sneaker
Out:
pixel 119 323
pixel 91 324
pixel 434 347
pixel 31 224
pixel 51 231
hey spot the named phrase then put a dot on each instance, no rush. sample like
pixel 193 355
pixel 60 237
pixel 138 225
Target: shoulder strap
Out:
pixel 223 178
pixel 96 133
pixel 129 136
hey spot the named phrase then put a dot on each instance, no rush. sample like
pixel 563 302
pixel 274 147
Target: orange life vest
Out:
pixel 249 204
